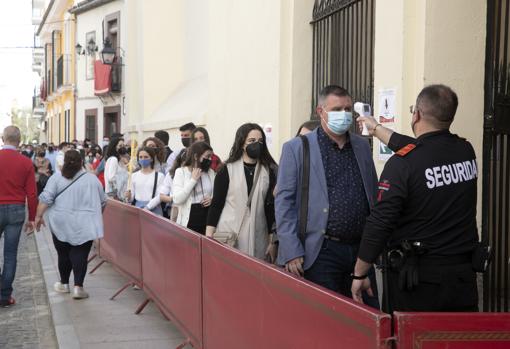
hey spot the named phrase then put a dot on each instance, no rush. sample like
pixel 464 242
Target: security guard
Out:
pixel 425 215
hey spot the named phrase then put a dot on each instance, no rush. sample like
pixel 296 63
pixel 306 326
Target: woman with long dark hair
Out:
pixel 242 209
pixel 200 134
pixel 115 149
pixel 73 201
pixel 193 187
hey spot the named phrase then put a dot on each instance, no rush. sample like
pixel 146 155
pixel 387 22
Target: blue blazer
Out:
pixel 288 196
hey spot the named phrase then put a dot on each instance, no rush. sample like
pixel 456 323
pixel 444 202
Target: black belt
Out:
pixel 446 260
pixel 342 240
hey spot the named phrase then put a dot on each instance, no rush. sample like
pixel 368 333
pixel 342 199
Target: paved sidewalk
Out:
pixel 27 324
pixel 97 322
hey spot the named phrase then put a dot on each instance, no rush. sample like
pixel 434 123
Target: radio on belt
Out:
pixel 363 109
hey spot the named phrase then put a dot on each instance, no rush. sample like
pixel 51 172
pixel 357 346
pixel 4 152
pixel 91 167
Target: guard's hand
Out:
pixel 30 227
pixel 357 288
pixel 370 123
pixel 295 266
pixel 196 173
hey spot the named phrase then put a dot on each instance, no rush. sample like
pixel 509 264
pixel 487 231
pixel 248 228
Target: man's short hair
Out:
pixel 62 145
pixel 12 134
pixel 439 103
pixel 163 136
pixel 332 90
pixel 187 127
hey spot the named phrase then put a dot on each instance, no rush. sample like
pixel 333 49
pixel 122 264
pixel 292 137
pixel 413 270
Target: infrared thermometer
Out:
pixel 363 109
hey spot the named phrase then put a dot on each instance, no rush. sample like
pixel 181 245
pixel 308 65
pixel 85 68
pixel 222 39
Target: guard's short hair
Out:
pixel 332 90
pixel 187 127
pixel 439 103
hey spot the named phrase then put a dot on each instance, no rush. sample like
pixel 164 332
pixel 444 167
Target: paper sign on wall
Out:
pixel 387 106
pixel 384 152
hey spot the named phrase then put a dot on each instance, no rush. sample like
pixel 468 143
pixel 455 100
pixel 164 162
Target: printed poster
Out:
pixel 387 99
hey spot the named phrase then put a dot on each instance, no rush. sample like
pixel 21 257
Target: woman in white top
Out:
pixel 115 150
pixel 193 187
pixel 165 195
pixel 146 182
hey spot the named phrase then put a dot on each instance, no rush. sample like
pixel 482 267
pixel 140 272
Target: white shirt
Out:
pixel 165 189
pixel 60 161
pixel 142 185
pixel 110 170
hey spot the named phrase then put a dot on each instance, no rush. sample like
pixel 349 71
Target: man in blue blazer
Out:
pixel 342 188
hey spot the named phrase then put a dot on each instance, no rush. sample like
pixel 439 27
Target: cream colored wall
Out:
pixel 260 68
pixel 424 42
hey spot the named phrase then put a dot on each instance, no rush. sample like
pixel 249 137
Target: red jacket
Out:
pixel 17 181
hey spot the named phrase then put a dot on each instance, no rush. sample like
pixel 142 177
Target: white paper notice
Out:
pixel 384 152
pixel 268 130
pixel 387 106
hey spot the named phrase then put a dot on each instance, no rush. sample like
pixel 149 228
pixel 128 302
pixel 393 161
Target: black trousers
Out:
pixel 72 258
pixel 441 288
pixel 198 218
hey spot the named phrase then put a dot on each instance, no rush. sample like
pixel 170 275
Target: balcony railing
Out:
pixel 60 71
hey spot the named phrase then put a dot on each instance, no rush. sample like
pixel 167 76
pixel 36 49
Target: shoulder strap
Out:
pixel 63 190
pixel 305 185
pixel 255 180
pixel 155 184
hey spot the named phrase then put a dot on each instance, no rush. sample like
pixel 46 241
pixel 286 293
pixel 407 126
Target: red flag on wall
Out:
pixel 102 78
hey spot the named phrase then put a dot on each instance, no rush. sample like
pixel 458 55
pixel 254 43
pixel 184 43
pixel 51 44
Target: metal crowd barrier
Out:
pixel 221 298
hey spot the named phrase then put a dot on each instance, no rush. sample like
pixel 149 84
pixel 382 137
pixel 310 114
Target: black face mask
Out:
pixel 122 151
pixel 205 165
pixel 186 142
pixel 254 150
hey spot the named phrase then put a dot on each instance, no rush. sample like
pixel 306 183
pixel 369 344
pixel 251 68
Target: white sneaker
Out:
pixel 61 288
pixel 79 293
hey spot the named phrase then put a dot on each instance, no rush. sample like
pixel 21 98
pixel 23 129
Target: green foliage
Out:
pixel 28 125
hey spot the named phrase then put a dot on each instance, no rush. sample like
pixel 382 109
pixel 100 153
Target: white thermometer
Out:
pixel 363 109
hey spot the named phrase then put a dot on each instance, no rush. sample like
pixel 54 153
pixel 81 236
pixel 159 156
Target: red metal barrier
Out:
pixel 171 261
pixel 452 330
pixel 249 304
pixel 121 245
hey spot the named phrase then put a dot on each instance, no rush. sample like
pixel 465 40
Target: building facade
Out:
pixel 56 35
pixel 100 112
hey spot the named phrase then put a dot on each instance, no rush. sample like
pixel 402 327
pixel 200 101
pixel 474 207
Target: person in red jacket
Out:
pixel 17 186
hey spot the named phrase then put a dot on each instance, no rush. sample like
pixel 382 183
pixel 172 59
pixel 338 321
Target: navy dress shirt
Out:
pixel 348 204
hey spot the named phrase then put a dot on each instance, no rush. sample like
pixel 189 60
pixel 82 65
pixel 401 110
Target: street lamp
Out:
pixel 108 53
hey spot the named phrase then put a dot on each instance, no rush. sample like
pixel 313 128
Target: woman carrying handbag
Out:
pixel 242 210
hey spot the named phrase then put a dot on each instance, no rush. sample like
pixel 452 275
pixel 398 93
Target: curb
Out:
pixel 64 328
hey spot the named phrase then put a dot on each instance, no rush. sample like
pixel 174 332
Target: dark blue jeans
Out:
pixel 333 267
pixel 11 223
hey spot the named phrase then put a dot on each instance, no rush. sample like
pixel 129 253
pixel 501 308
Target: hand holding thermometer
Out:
pixel 363 109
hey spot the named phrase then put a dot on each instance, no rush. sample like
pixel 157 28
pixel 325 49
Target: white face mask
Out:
pixel 339 122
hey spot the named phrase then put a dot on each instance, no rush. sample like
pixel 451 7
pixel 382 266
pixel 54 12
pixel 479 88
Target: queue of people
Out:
pixel 321 213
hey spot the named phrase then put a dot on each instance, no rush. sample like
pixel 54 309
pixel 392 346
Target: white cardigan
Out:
pixel 183 185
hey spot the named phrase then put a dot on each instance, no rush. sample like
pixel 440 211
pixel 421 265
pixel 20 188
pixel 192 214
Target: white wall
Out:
pixel 219 65
pixel 93 21
pixel 425 42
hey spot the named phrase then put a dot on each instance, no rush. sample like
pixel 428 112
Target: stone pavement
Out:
pixel 97 322
pixel 28 324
